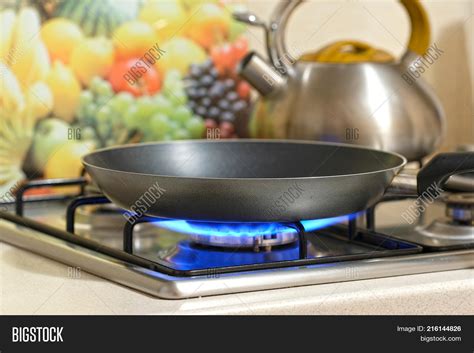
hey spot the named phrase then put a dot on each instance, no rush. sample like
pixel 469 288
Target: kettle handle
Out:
pixel 283 61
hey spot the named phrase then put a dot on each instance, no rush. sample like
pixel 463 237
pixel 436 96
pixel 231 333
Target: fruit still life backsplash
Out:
pixel 77 75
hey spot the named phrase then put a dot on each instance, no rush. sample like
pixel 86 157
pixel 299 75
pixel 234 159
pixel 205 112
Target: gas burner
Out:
pixel 455 230
pixel 246 235
pixel 460 208
pixel 448 232
pixel 237 235
pixel 106 220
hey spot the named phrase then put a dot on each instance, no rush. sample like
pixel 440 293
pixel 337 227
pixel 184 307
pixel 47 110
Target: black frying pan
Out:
pixel 257 180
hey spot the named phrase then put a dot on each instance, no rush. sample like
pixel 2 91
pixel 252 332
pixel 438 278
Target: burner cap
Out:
pixel 460 207
pixel 238 241
pixel 235 235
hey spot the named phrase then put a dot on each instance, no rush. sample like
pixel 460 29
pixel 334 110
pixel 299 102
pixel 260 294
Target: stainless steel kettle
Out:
pixel 364 103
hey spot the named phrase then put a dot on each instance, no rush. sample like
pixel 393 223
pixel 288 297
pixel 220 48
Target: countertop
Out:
pixel 31 284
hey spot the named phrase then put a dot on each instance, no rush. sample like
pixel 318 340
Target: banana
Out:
pixel 7 21
pixel 39 99
pixel 24 65
pixel 42 63
pixel 11 95
pixel 25 54
pixel 26 29
pixel 16 135
pixel 9 182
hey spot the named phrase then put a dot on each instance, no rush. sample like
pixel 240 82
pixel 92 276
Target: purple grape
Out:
pixel 223 104
pixel 232 96
pixel 207 65
pixel 227 116
pixel 206 81
pixel 201 92
pixel 216 91
pixel 192 105
pixel 239 106
pixel 195 71
pixel 192 92
pixel 229 84
pixel 206 102
pixel 213 113
pixel 214 73
pixel 201 111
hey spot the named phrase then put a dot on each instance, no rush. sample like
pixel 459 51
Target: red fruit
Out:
pixel 135 77
pixel 215 54
pixel 224 59
pixel 227 57
pixel 240 48
pixel 243 89
pixel 224 134
pixel 217 60
pixel 227 129
pixel 210 124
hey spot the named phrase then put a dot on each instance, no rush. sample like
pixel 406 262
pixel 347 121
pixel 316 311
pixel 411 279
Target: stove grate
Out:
pixel 374 245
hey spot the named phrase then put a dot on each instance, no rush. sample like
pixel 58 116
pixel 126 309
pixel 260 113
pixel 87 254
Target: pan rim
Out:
pixel 402 163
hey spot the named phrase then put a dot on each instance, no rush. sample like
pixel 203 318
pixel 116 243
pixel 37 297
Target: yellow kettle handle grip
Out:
pixel 419 38
pixel 420 26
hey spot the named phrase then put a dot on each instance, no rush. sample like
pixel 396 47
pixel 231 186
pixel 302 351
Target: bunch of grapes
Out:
pixel 96 116
pixel 111 119
pixel 220 98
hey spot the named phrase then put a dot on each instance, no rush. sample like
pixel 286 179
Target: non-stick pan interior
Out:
pixel 243 159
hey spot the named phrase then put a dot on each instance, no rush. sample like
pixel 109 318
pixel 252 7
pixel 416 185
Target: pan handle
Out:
pixel 435 174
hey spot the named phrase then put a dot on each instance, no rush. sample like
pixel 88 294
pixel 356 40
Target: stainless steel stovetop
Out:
pixel 163 260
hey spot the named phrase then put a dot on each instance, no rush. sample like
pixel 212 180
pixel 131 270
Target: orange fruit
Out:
pixel 209 26
pixel 133 39
pixel 61 36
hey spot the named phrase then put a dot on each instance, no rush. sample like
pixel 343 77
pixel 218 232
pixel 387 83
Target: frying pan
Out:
pixel 258 180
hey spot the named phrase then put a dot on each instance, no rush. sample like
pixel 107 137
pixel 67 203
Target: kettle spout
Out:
pixel 260 75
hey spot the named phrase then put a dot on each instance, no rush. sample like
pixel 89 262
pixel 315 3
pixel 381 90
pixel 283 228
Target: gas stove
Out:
pixel 181 259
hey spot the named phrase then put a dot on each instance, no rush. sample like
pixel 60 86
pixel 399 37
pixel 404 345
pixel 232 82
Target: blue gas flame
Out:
pixel 246 229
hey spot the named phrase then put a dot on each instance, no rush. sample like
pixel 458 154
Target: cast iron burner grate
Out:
pixel 332 244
